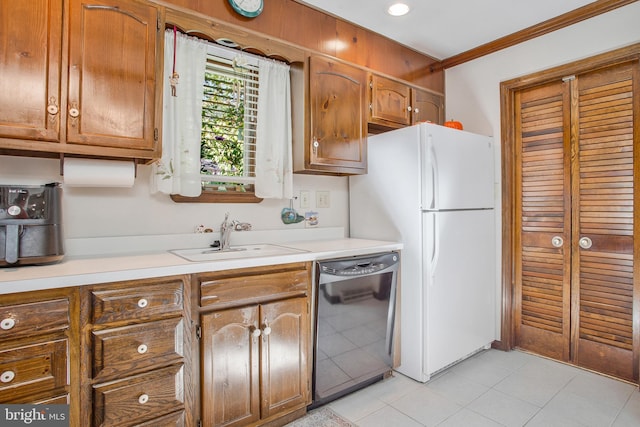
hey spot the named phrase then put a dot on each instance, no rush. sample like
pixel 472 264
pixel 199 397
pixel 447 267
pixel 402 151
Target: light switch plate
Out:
pixel 322 199
pixel 305 197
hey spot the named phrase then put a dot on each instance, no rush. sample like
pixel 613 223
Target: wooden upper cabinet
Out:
pixel 332 136
pixel 394 104
pixel 31 40
pixel 427 106
pixel 99 97
pixel 112 57
pixel 390 102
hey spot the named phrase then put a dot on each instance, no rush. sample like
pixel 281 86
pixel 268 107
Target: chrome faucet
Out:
pixel 225 232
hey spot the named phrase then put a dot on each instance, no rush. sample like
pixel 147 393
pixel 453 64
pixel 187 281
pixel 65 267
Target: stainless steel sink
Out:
pixel 234 252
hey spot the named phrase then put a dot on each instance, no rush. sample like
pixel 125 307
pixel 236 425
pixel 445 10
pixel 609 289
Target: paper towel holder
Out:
pixel 135 166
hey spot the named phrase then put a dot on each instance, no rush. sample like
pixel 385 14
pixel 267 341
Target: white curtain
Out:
pixel 274 170
pixel 178 171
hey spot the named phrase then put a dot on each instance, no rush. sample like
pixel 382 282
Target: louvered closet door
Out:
pixel 603 263
pixel 542 257
pixel 575 269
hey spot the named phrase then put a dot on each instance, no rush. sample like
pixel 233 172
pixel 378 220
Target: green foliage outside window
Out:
pixel 222 137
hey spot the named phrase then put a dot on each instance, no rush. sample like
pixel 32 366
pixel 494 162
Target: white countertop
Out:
pixel 75 270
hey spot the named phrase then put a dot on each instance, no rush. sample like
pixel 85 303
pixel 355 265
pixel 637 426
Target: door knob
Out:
pixel 557 241
pixel 585 243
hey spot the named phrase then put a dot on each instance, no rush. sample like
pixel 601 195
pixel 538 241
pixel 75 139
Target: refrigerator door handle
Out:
pixel 435 249
pixel 433 165
pixel 430 174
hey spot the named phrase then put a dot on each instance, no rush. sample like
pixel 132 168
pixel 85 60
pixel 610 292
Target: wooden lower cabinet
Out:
pixel 254 357
pixel 137 358
pixel 38 342
pixel 127 353
pixel 254 362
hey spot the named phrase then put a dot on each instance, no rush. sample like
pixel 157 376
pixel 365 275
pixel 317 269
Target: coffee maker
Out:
pixel 30 224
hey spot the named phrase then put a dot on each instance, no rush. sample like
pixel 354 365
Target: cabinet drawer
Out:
pixel 172 420
pixel 145 301
pixel 21 320
pixel 251 288
pixel 126 350
pixel 33 370
pixel 139 399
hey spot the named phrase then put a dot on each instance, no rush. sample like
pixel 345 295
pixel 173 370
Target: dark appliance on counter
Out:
pixel 30 224
pixel 355 301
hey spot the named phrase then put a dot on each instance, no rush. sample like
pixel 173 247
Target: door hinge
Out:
pixel 199 423
pixel 198 332
pixel 155 134
pixel 568 78
pixel 158 23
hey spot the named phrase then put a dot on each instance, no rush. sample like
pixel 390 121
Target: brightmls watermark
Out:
pixel 34 415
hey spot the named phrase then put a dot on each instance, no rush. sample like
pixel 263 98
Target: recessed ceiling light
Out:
pixel 398 9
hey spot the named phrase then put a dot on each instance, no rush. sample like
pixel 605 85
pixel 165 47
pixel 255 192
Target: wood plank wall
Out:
pixel 316 31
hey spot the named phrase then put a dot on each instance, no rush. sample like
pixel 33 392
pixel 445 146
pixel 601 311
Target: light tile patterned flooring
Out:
pixel 496 388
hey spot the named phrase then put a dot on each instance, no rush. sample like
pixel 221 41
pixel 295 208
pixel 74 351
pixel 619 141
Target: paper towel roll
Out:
pixel 98 173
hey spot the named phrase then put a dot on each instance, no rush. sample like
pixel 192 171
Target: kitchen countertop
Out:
pixel 75 270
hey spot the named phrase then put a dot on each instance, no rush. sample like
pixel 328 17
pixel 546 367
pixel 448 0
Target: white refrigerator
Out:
pixel 432 188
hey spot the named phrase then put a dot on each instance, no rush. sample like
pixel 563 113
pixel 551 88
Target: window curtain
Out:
pixel 178 171
pixel 274 170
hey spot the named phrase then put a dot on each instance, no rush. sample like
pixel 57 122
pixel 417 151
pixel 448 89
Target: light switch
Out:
pixel 322 199
pixel 305 197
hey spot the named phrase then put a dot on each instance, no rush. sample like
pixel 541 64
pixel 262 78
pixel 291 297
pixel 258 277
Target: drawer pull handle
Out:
pixel 7 376
pixel 142 302
pixel 143 398
pixel 142 348
pixel 7 323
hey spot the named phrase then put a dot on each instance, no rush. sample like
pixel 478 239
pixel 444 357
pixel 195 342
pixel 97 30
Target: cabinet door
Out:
pixel 112 50
pixel 285 346
pixel 230 367
pixel 427 107
pixel 31 40
pixel 338 117
pixel 390 102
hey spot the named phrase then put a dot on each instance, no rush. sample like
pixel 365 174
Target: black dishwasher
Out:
pixel 355 302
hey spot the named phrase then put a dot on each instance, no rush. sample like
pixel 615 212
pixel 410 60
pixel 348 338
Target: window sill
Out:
pixel 218 197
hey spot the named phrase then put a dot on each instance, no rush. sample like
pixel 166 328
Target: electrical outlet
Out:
pixel 305 197
pixel 322 199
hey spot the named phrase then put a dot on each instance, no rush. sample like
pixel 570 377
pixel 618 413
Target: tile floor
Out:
pixel 496 388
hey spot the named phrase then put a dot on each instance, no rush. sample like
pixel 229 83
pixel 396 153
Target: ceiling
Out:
pixel 443 29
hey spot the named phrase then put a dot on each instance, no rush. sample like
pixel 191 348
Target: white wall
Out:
pixel 99 212
pixel 473 89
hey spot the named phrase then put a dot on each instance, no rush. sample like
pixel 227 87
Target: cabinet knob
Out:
pixel 316 144
pixel 416 110
pixel 409 108
pixel 143 398
pixel 74 112
pixel 7 323
pixel 142 302
pixel 142 348
pixel 52 108
pixel 7 376
pixel 255 332
pixel 266 330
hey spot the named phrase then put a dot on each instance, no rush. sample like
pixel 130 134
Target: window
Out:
pixel 214 138
pixel 229 111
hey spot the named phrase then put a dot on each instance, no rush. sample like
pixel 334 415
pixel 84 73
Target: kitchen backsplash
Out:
pixel 103 212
